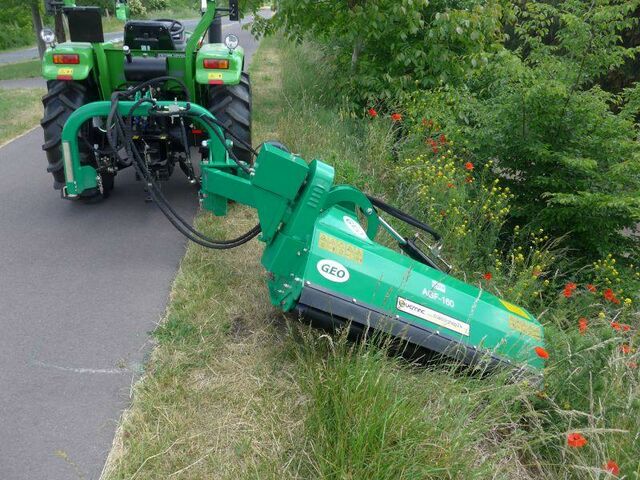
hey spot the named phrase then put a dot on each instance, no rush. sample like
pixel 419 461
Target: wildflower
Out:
pixel 469 179
pixel 450 185
pixel 582 325
pixel 487 276
pixel 427 123
pixel 625 327
pixel 569 289
pixel 576 440
pixel 372 112
pixel 468 166
pixel 442 139
pixel 625 349
pixel 591 288
pixel 609 295
pixel 615 326
pixel 542 353
pixel 612 467
pixel 632 365
pixel 396 117
pixel 536 272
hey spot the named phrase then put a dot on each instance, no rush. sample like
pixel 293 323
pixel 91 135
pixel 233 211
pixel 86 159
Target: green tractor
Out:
pixel 88 69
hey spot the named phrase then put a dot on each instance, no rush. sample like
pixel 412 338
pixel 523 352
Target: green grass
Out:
pixel 236 390
pixel 20 110
pixel 28 69
pixel 233 390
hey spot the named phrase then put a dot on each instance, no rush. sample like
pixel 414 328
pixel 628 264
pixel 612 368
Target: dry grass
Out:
pixel 20 111
pixel 218 399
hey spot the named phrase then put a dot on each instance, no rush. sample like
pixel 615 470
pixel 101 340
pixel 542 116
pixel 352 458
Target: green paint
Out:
pixel 105 62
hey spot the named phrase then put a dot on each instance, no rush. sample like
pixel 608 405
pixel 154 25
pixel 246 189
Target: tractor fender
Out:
pixel 219 76
pixel 56 70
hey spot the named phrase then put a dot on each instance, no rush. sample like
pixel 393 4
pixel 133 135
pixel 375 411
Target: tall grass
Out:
pixel 234 390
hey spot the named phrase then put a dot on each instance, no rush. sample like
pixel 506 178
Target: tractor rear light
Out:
pixel 216 63
pixel 66 59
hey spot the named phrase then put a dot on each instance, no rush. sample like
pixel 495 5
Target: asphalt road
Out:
pixel 31 53
pixel 81 286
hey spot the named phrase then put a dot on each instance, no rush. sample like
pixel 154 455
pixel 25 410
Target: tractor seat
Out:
pixel 161 34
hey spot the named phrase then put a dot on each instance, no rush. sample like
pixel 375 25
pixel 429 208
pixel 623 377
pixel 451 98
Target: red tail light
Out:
pixel 66 59
pixel 216 63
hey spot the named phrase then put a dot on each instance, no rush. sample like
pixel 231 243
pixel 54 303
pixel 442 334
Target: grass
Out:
pixel 28 69
pixel 20 110
pixel 233 390
pixel 236 390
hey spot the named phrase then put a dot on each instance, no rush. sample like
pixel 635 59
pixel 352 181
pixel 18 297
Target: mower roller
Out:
pixel 146 103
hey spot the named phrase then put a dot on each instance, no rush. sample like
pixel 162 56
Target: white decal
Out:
pixel 438 286
pixel 432 316
pixel 333 271
pixel 355 227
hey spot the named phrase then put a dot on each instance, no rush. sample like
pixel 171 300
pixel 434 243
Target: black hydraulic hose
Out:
pixel 118 129
pixel 403 216
pixel 176 220
pixel 212 123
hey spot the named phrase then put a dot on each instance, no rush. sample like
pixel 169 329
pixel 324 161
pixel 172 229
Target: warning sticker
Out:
pixel 524 327
pixel 65 71
pixel 340 248
pixel 214 76
pixel 432 316
pixel 514 309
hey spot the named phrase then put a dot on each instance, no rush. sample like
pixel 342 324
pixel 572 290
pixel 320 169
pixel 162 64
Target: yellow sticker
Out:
pixel 65 71
pixel 528 328
pixel 214 76
pixel 514 309
pixel 340 248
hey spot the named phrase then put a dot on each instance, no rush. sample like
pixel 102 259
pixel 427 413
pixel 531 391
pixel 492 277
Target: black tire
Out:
pixel 231 105
pixel 60 101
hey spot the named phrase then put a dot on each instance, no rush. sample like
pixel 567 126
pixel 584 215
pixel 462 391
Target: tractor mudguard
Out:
pixel 219 76
pixel 68 67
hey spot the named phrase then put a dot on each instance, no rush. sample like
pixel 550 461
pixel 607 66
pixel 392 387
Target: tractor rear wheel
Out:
pixel 60 101
pixel 231 105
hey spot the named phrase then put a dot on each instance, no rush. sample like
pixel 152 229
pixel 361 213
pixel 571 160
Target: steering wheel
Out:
pixel 176 28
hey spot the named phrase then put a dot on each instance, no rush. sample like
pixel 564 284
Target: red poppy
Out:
pixel 487 276
pixel 396 117
pixel 576 440
pixel 427 123
pixel 541 352
pixel 609 295
pixel 612 467
pixel 568 289
pixel 450 185
pixel 625 327
pixel 372 112
pixel 582 325
pixel 434 145
pixel 591 288
pixel 468 166
pixel 633 365
pixel 615 325
pixel 442 139
pixel 625 349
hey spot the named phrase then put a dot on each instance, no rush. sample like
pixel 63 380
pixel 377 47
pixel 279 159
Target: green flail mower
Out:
pixel 321 262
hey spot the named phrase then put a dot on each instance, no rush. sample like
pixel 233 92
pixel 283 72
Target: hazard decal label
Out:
pixel 432 316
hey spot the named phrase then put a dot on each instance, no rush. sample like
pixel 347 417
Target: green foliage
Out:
pixel 385 47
